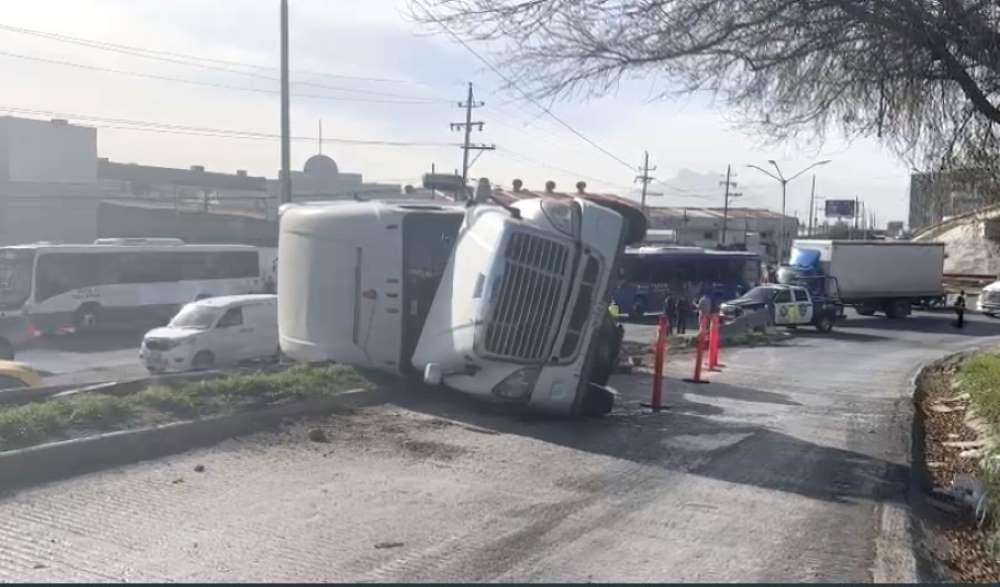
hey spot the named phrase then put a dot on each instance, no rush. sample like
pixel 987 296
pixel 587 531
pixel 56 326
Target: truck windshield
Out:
pixel 804 258
pixel 195 316
pixel 15 277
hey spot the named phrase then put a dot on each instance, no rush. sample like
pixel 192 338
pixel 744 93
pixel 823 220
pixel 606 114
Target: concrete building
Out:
pixel 936 196
pixel 756 229
pixel 51 151
pixel 52 184
pixel 971 242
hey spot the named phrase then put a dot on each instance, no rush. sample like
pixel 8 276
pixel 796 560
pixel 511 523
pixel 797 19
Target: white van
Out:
pixel 214 332
pixel 989 300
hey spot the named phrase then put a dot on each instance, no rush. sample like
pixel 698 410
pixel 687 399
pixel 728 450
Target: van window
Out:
pixel 234 317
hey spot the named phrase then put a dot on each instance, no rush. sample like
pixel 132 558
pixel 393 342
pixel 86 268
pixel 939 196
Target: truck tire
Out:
pixel 865 310
pixel 823 323
pixel 897 309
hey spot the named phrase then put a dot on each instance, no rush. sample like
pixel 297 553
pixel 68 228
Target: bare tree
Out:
pixel 922 75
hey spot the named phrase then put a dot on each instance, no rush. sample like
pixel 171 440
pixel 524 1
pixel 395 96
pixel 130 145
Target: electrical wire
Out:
pixel 210 84
pixel 523 93
pixel 171 128
pixel 179 58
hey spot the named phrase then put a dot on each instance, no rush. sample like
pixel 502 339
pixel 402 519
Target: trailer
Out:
pixel 871 276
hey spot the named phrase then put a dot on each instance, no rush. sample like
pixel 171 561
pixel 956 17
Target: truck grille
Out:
pixel 526 304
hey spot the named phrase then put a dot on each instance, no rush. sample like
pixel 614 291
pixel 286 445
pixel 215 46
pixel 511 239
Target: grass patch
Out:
pixel 34 423
pixel 979 376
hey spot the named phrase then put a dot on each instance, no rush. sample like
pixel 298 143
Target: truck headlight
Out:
pixel 564 215
pixel 518 384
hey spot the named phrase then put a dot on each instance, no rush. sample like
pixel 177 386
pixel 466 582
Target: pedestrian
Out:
pixel 670 309
pixel 615 311
pixel 704 309
pixel 681 309
pixel 960 309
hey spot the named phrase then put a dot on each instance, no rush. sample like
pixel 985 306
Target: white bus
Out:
pixel 122 281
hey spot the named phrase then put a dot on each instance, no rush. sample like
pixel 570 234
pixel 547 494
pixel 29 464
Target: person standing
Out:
pixel 680 309
pixel 960 309
pixel 704 309
pixel 670 309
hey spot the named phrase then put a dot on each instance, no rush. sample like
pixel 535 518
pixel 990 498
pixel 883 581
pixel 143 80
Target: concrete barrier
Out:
pixel 56 460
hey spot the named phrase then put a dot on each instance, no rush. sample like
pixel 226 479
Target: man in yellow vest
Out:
pixel 615 311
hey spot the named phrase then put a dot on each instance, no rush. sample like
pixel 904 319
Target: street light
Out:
pixel 780 178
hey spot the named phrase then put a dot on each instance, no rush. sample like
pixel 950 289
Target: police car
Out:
pixel 781 305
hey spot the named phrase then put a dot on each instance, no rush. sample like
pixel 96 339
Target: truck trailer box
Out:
pixel 878 269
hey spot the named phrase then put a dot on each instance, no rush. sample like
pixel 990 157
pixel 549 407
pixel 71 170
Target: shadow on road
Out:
pixel 688 438
pixel 842 335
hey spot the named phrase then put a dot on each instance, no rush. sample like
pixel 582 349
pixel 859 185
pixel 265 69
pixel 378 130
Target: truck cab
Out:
pixel 782 305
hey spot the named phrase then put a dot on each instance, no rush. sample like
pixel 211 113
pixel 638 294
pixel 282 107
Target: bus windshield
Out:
pixel 195 316
pixel 15 277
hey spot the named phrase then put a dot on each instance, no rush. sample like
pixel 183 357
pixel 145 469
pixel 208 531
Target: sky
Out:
pixel 370 73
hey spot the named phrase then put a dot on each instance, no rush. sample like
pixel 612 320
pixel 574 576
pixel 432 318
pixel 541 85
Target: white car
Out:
pixel 989 299
pixel 214 332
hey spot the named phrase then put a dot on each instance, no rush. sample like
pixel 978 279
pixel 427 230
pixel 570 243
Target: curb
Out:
pixel 66 458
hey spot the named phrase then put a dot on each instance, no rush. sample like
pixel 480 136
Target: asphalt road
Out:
pixel 86 358
pixel 785 467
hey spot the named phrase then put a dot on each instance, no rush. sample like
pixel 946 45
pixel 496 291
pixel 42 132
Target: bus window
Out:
pixel 61 272
pixel 15 277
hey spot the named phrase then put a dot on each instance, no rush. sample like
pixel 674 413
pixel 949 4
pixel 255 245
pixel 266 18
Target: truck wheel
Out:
pixel 824 323
pixel 865 310
pixel 598 402
pixel 897 309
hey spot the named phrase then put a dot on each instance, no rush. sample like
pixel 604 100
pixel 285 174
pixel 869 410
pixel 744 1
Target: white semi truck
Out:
pixel 871 276
pixel 508 302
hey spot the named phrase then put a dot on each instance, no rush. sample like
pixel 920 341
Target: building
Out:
pixel 54 187
pixel 971 242
pixel 756 229
pixel 937 196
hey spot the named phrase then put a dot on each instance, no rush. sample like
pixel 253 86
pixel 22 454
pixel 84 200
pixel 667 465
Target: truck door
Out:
pixel 784 308
pixel 803 306
pixel 428 240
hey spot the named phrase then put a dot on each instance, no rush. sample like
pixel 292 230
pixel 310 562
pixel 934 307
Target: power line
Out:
pixel 179 58
pixel 518 157
pixel 511 83
pixel 171 128
pixel 211 84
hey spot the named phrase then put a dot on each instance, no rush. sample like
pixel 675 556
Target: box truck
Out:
pixel 504 301
pixel 871 276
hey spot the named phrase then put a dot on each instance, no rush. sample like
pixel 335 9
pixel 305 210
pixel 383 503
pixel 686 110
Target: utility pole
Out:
pixel 286 147
pixel 467 146
pixel 725 201
pixel 645 178
pixel 812 204
pixel 857 209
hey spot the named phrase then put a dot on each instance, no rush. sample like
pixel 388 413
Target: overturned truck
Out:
pixel 507 301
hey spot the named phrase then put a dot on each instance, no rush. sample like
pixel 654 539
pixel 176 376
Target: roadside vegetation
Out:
pixel 77 415
pixel 979 376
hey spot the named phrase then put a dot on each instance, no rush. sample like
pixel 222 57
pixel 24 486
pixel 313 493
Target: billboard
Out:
pixel 840 208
